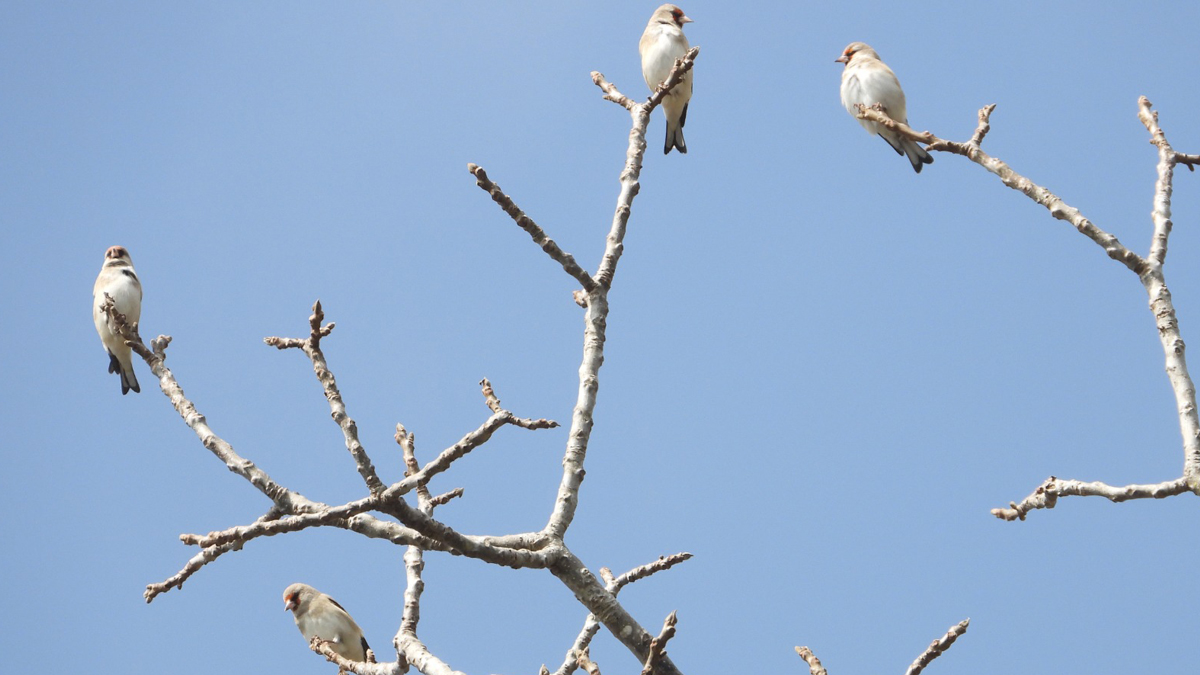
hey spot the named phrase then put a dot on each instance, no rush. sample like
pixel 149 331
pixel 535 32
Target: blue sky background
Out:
pixel 822 371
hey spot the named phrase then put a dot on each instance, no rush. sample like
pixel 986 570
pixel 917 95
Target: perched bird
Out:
pixel 120 282
pixel 868 81
pixel 318 615
pixel 661 44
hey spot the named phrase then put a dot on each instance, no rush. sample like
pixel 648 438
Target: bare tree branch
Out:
pixel 1160 299
pixel 330 516
pixel 591 625
pixel 633 159
pixel 584 661
pixel 312 348
pixel 939 645
pixel 658 646
pixel 406 640
pixel 493 403
pixel 1057 207
pixel 596 303
pixel 1190 161
pixel 408 447
pixel 446 496
pixel 286 500
pixel 1149 271
pixel 602 603
pixel 360 667
pixel 610 91
pixel 291 512
pixel 193 565
pixel 814 664
pixel 538 234
pixel 1046 495
pixel 936 649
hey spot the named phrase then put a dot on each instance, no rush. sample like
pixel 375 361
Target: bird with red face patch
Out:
pixel 868 81
pixel 118 281
pixel 662 43
pixel 319 616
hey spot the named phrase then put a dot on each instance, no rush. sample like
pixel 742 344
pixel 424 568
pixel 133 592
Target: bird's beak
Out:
pixel 685 19
pixel 844 59
pixel 290 604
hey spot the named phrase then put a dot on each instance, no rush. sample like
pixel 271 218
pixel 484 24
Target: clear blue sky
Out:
pixel 822 371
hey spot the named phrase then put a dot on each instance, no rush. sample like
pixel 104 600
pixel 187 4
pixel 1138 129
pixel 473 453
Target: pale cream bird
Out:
pixel 868 81
pixel 662 43
pixel 318 615
pixel 118 280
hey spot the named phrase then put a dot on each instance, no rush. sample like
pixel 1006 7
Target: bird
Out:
pixel 867 81
pixel 662 43
pixel 320 616
pixel 120 282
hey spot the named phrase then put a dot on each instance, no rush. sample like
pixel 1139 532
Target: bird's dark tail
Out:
pixel 917 156
pixel 129 381
pixel 674 140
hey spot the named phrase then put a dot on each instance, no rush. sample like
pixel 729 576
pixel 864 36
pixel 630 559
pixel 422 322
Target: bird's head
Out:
pixel 297 596
pixel 117 255
pixel 855 49
pixel 671 14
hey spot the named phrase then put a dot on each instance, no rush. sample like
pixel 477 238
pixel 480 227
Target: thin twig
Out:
pixel 538 235
pixel 1046 495
pixel 1057 207
pixel 591 625
pixel 584 661
pixel 658 646
pixel 939 646
pixel 360 667
pixel 814 664
pixel 155 356
pixel 312 348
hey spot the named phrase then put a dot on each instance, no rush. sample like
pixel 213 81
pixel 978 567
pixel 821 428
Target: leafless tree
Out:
pixel 1149 270
pixel 419 531
pixel 417 528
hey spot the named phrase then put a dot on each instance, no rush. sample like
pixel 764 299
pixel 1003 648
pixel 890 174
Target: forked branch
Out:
pixel 1149 270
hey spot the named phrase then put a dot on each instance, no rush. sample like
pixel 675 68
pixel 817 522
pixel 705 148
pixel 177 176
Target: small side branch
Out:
pixel 312 347
pixel 155 356
pixel 1057 207
pixel 585 662
pixel 1161 214
pixel 814 664
pixel 681 68
pixel 344 664
pixel 1190 161
pixel 1046 495
pixel 985 115
pixel 493 404
pixel 633 160
pixel 603 604
pixel 538 235
pixel 939 646
pixel 610 91
pixel 1154 281
pixel 591 625
pixel 658 646
pixel 193 565
pixel 1149 271
pixel 481 548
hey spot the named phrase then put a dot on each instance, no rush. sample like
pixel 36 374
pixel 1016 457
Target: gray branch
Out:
pixel 1149 271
